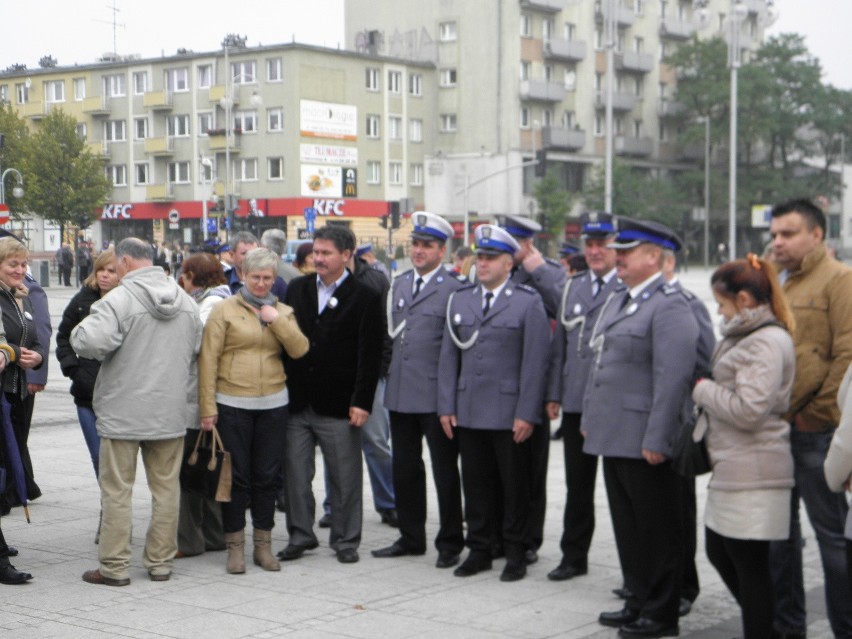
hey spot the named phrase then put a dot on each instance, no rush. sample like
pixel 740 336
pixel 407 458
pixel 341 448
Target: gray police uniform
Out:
pixel 411 396
pixel 644 362
pixel 570 365
pixel 491 374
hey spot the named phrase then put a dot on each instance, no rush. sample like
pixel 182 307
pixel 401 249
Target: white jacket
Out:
pixel 838 462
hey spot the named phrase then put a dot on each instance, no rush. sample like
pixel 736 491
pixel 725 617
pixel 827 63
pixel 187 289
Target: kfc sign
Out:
pixel 116 212
pixel 329 207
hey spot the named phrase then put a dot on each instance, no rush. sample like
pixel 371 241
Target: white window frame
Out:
pixel 140 82
pixel 371 78
pixel 525 119
pixel 524 70
pixel 206 122
pixel 205 75
pixel 246 120
pixel 373 126
pixel 374 172
pixel 416 174
pixel 599 125
pixel 141 173
pixel 115 131
pixel 247 170
pixel 547 117
pixel 275 120
pixel 274 70
pixel 548 26
pixel 115 85
pixel 79 89
pixel 415 84
pixel 177 79
pixel 117 173
pixel 179 172
pixel 394 127
pixel 4 93
pixel 449 77
pixel 244 72
pixel 526 25
pixel 271 164
pixel 54 91
pixel 449 123
pixel 82 131
pixel 178 126
pixel 143 122
pixel 447 31
pixel 395 173
pixel 415 130
pixel 394 82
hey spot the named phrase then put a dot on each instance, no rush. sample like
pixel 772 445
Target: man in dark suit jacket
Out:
pixel 331 393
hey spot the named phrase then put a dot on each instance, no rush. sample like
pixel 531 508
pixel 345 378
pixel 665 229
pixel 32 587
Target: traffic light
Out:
pixel 394 215
pixel 383 221
pixel 541 162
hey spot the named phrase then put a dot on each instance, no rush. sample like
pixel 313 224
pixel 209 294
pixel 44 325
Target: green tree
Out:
pixel 13 154
pixel 554 205
pixel 66 184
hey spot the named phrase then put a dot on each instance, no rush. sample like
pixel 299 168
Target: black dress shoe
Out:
pixel 325 521
pixel 10 576
pixel 618 618
pixel 497 551
pixel 348 556
pixel 531 556
pixel 292 552
pixel 389 517
pixel 514 571
pixel 644 627
pixel 684 608
pixel 472 565
pixel 447 559
pixel 396 549
pixel 622 593
pixel 565 571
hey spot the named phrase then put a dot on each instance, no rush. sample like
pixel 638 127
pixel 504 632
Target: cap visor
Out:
pixel 489 251
pixel 418 235
pixel 621 246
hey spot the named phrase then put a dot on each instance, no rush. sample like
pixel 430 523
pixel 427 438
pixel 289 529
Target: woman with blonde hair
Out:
pixel 748 441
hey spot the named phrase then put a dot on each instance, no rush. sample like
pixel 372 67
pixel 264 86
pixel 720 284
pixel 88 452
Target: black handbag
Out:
pixel 206 468
pixel 689 457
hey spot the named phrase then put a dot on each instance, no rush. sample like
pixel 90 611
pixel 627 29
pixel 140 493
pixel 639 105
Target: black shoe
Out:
pixel 622 593
pixel 281 503
pixel 292 552
pixel 348 556
pixel 497 551
pixel 684 608
pixel 12 552
pixel 472 565
pixel 531 556
pixel 514 571
pixel 10 576
pixel 447 559
pixel 565 571
pixel 396 549
pixel 644 627
pixel 618 618
pixel 389 517
pixel 325 521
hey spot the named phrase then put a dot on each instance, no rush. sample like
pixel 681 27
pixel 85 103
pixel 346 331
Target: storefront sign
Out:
pixel 326 154
pixel 328 120
pixel 321 181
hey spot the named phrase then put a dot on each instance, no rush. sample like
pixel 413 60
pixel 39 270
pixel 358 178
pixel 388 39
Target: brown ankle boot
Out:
pixel 236 544
pixel 262 551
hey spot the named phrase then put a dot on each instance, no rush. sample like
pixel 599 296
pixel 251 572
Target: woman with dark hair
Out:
pixel 748 441
pixel 305 258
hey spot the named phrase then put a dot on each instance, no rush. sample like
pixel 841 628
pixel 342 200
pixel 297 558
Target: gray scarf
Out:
pixel 257 302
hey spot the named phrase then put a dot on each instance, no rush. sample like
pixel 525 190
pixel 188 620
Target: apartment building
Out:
pixel 339 132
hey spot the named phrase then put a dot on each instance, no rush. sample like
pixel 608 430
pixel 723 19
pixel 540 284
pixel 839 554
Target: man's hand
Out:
pixel 268 313
pixel 532 260
pixel 32 389
pixel 552 409
pixel 207 423
pixel 357 416
pixel 653 457
pixel 521 430
pixel 448 423
pixel 28 358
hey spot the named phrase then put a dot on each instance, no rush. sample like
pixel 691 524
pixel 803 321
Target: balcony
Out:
pixel 691 153
pixel 159 193
pixel 565 50
pixel 100 150
pixel 159 147
pixel 157 100
pixel 637 147
pixel 560 138
pixel 96 106
pixel 624 16
pixel 675 29
pixel 545 6
pixel 542 90
pixel 32 110
pixel 217 92
pixel 670 108
pixel 620 101
pixel 634 62
pixel 218 140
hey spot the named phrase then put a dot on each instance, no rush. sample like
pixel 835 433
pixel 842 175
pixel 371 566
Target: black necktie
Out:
pixel 627 299
pixel 488 297
pixel 600 284
pixel 417 284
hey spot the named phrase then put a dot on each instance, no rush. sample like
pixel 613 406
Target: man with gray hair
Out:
pixel 275 240
pixel 147 334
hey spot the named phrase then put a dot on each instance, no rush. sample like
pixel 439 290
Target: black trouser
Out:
pixel 409 481
pixel 743 565
pixel 255 439
pixel 645 505
pixel 490 458
pixel 689 586
pixel 578 522
pixel 539 456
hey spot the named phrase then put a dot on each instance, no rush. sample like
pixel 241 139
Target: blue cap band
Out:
pixel 598 227
pixel 491 243
pixel 632 235
pixel 428 230
pixel 518 231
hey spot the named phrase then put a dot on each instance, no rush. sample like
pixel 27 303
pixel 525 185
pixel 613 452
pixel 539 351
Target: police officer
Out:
pixel 416 311
pixel 571 360
pixel 491 395
pixel 644 343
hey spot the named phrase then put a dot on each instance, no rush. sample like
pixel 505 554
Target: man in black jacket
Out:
pixel 331 393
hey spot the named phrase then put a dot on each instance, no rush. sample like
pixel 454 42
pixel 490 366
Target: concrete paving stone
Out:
pixel 211 623
pixel 290 609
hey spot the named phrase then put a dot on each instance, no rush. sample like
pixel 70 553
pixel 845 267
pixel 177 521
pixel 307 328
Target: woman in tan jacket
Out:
pixel 242 390
pixel 748 498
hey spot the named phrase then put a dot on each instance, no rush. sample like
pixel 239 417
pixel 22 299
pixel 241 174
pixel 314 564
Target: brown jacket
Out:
pixel 820 295
pixel 241 357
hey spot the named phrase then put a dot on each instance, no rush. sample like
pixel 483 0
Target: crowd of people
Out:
pixel 476 358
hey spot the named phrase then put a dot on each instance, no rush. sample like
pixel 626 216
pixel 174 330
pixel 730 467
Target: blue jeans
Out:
pixel 88 421
pixel 827 513
pixel 375 442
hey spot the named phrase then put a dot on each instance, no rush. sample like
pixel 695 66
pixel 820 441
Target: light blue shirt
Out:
pixel 325 293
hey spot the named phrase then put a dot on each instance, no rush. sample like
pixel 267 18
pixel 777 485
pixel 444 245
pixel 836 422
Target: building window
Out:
pixel 638 7
pixel 140 128
pixel 526 26
pixel 205 174
pixel 664 137
pixel 525 117
pixel 117 173
pixel 114 131
pixel 415 84
pixel 598 82
pixel 114 86
pixel 141 170
pixel 275 119
pixel 82 131
pixel 79 89
pixel 177 126
pixel 248 169
pixel 638 44
pixel 569 30
pixel 416 174
pixel 664 51
pixel 548 72
pixel 447 31
pixel 547 117
pixel 374 172
pixel 4 93
pixel 394 81
pixel 599 39
pixel 394 127
pixel 205 76
pixel 244 72
pixel 276 168
pixel 373 126
pixel 179 172
pixel 525 70
pixel 637 128
pixel 140 82
pixel 449 122
pixel 22 93
pixel 395 173
pixel 415 130
pixel 599 125
pixel 547 29
pixel 568 119
pixel 273 70
pixel 54 91
pixel 246 121
pixel 448 77
pixel 570 79
pixel 372 78
pixel 177 80
pixel 205 122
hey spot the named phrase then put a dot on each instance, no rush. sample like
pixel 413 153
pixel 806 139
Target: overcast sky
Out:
pixel 77 32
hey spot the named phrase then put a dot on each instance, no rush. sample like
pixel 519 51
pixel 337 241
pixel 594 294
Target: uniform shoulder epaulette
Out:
pixel 460 278
pixel 404 273
pixel 525 288
pixel 467 286
pixel 577 275
pixel 669 289
pixel 689 295
pixel 553 262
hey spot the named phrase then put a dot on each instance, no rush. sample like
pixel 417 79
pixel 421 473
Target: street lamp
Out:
pixel 17 190
pixel 610 18
pixel 705 120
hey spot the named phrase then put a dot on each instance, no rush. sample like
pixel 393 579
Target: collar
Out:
pixel 810 261
pixel 428 277
pixel 495 291
pixel 606 277
pixel 335 284
pixel 636 291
